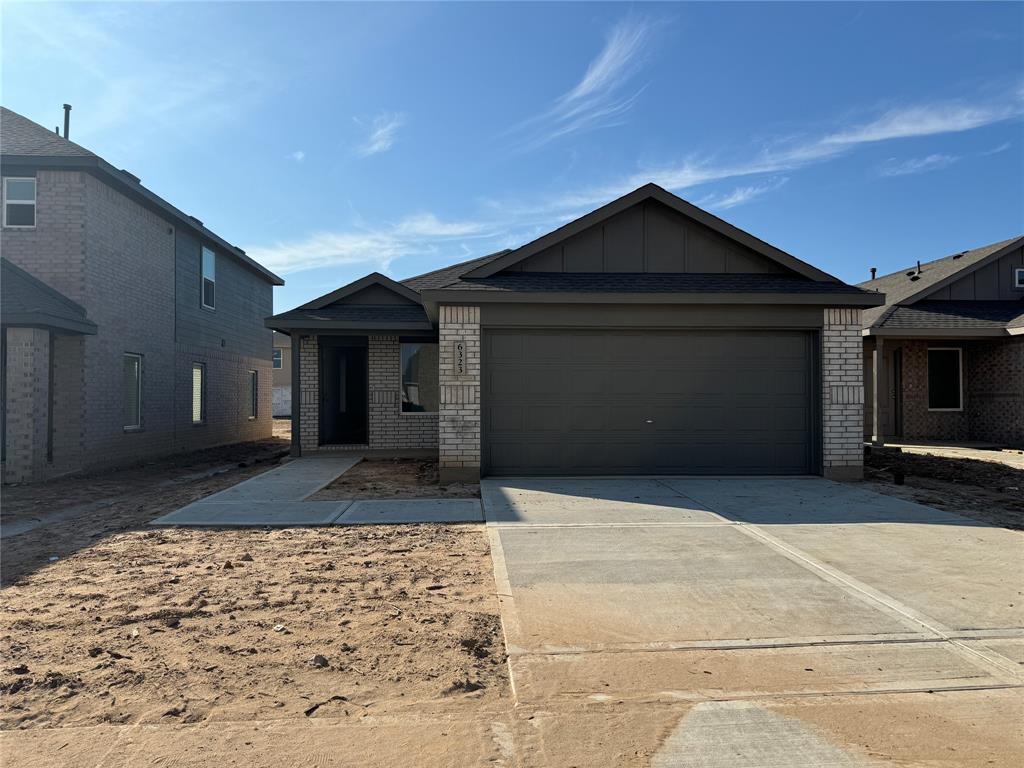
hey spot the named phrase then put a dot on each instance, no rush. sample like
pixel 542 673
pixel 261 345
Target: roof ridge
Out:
pixel 455 265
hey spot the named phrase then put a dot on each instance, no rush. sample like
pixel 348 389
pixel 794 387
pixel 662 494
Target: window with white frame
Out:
pixel 132 370
pixel 278 357
pixel 945 379
pixel 254 388
pixel 198 393
pixel 1018 277
pixel 19 201
pixel 209 286
pixel 419 378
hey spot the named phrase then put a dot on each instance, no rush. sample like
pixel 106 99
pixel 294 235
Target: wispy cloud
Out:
pixel 996 150
pixel 793 153
pixel 915 165
pixel 298 156
pixel 601 98
pixel 740 195
pixel 373 247
pixel 383 133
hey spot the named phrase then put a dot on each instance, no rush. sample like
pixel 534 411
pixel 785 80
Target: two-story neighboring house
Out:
pixel 282 375
pixel 944 356
pixel 130 330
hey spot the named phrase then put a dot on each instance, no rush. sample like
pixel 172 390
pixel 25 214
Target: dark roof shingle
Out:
pixel 21 136
pixel 369 315
pixel 25 300
pixel 955 314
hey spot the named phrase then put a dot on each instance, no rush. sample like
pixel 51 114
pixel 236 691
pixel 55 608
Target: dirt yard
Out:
pixel 984 490
pixel 395 479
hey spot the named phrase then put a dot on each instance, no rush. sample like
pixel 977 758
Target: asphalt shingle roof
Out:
pixel 956 314
pixel 21 136
pixel 412 315
pixel 899 286
pixel 646 282
pixel 442 278
pixel 26 300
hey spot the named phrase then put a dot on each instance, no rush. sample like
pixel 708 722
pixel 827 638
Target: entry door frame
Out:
pixel 333 342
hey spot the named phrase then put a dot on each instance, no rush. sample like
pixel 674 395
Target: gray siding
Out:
pixel 991 282
pixel 649 237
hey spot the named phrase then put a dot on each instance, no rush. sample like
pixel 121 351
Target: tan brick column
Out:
pixel 309 392
pixel 459 374
pixel 27 401
pixel 842 411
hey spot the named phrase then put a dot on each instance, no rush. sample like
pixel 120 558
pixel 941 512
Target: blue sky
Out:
pixel 330 139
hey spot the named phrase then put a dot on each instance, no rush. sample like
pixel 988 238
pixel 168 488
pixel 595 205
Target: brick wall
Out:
pixel 309 392
pixel 389 427
pixel 842 412
pixel 993 393
pixel 69 447
pixel 27 391
pixel 459 423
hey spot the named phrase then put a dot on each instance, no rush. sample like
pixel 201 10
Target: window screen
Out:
pixel 19 202
pixel 198 393
pixel 209 279
pixel 944 382
pixel 277 358
pixel 132 369
pixel 254 383
pixel 419 378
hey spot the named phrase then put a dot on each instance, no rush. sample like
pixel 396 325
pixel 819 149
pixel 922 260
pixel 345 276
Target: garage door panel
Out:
pixel 648 401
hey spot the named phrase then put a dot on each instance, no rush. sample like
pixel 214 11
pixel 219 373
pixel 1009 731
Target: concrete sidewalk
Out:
pixel 756 622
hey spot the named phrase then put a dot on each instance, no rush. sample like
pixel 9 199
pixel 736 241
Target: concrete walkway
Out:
pixel 755 622
pixel 278 498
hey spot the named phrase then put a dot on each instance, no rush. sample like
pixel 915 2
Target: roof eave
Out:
pixel 447 296
pixel 938 333
pixel 289 325
pixel 51 322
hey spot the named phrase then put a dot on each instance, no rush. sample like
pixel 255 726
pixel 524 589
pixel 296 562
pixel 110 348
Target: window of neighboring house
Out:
pixel 1018 277
pixel 19 202
pixel 277 358
pixel 198 393
pixel 209 279
pixel 945 379
pixel 419 378
pixel 254 388
pixel 132 369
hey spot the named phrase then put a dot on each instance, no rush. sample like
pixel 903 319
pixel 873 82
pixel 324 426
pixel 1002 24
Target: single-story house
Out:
pixel 647 337
pixel 944 355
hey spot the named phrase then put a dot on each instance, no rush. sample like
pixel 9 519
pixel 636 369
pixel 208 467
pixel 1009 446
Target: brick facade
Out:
pixel 459 424
pixel 309 393
pixel 842 399
pixel 28 390
pixel 993 383
pixel 137 276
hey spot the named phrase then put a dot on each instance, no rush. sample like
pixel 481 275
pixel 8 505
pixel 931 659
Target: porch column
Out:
pixel 27 404
pixel 879 377
pixel 459 377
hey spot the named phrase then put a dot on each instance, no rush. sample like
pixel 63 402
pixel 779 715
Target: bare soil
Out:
pixel 181 625
pixel 395 479
pixel 983 490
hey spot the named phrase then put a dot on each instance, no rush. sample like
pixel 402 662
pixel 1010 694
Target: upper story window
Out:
pixel 19 202
pixel 1018 277
pixel 209 287
pixel 419 378
pixel 277 358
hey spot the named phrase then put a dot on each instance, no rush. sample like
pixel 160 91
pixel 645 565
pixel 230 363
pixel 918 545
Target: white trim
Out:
pixel 203 250
pixel 401 383
pixel 35 200
pixel 1018 277
pixel 960 366
pixel 137 427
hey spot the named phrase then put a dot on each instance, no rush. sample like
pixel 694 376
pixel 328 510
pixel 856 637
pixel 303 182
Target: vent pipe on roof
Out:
pixel 67 119
pixel 919 266
pixel 56 129
pixel 874 270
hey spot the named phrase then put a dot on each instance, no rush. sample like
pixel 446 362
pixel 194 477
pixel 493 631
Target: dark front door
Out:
pixel 343 394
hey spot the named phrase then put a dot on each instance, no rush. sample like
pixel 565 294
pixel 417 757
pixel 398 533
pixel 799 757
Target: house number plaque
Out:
pixel 460 358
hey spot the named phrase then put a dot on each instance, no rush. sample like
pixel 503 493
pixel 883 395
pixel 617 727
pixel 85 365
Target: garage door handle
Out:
pixel 648 421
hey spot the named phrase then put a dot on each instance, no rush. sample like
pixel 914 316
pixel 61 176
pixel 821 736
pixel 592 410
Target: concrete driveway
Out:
pixel 755 622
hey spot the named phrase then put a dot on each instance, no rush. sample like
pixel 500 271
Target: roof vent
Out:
pixel 911 273
pixel 915 277
pixel 131 176
pixel 959 255
pixel 197 221
pixel 874 271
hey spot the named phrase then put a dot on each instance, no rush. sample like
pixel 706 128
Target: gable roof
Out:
pixel 901 287
pixel 27 301
pixel 446 276
pixel 26 143
pixel 663 196
pixel 374 278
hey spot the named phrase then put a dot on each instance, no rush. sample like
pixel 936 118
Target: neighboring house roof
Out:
pixel 26 143
pixel 27 301
pixel 909 288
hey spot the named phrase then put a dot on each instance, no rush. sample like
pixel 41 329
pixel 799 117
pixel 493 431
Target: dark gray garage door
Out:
pixel 636 402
